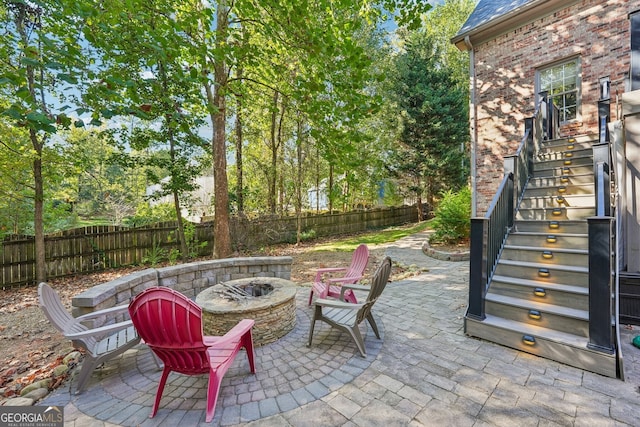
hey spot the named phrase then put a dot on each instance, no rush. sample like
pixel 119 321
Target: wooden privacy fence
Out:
pixel 95 248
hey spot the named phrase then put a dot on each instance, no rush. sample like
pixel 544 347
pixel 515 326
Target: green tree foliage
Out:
pixel 452 221
pixel 430 155
pixel 441 24
pixel 39 63
pixel 302 77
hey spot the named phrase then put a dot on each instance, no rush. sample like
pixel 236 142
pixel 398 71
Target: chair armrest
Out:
pixel 101 331
pixel 321 271
pixel 337 304
pixel 234 333
pixel 112 310
pixel 344 279
pixel 355 287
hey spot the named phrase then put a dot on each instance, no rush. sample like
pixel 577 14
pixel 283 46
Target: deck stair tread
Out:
pixel 541 234
pixel 537 331
pixel 556 267
pixel 542 249
pixel 537 305
pixel 540 284
pixel 558 199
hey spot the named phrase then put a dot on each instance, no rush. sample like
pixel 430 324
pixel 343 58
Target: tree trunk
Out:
pixel 271 203
pixel 221 229
pixel 281 191
pixel 317 179
pixel 38 144
pixel 38 214
pixel 239 170
pixel 299 180
pixel 330 189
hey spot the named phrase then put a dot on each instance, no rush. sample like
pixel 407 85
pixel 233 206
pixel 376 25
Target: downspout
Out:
pixel 473 119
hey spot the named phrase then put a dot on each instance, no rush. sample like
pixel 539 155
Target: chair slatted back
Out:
pixel 171 325
pixel 378 283
pixel 60 317
pixel 359 261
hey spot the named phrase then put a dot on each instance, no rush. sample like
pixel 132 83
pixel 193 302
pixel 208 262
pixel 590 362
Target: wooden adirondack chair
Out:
pixel 331 287
pixel 348 316
pixel 100 344
pixel 171 325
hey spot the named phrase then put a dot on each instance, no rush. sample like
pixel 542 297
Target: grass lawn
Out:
pixel 376 237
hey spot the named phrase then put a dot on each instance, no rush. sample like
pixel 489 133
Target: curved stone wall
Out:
pixel 189 279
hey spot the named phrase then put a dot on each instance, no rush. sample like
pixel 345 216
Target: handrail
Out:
pixel 601 242
pixel 489 233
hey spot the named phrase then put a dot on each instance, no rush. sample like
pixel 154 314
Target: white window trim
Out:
pixel 578 62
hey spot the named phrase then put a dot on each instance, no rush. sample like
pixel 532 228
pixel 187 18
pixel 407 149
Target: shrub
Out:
pixel 452 221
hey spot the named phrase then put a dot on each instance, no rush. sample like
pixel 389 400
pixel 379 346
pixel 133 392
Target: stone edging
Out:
pixel 444 256
pixel 189 279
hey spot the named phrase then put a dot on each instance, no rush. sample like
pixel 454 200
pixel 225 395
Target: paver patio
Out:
pixel 424 372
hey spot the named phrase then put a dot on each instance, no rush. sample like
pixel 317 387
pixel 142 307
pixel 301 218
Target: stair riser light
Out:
pixel 529 340
pixel 535 315
pixel 539 292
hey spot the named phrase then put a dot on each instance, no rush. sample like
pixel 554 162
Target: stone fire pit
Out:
pixel 270 301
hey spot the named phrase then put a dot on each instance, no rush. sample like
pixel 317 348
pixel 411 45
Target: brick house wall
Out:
pixel 596 31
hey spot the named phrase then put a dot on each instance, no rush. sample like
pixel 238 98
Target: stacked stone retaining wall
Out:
pixel 189 279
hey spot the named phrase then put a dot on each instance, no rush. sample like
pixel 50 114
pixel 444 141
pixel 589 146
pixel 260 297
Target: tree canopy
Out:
pixel 294 96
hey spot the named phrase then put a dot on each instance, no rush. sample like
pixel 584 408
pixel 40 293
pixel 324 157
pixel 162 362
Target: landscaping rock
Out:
pixel 36 394
pixel 18 401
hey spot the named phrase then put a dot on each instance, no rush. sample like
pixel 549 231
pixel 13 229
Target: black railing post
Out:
pixel 544 98
pixel 511 208
pixel 477 268
pixel 551 120
pixel 604 113
pixel 511 168
pixel 602 178
pixel 600 285
pixel 531 146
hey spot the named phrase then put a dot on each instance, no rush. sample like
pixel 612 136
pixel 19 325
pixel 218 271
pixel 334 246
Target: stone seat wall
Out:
pixel 189 279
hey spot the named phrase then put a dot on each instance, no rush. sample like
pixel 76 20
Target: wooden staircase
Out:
pixel 538 297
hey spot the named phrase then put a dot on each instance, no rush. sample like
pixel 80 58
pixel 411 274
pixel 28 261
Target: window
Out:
pixel 562 83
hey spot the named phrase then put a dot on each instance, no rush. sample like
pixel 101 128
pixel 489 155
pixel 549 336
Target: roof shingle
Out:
pixel 488 10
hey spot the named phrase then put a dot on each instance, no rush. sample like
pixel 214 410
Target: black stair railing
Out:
pixel 601 235
pixel 487 236
pixel 489 233
pixel 550 116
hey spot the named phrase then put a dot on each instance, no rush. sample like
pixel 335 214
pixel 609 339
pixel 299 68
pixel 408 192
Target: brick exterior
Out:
pixel 595 31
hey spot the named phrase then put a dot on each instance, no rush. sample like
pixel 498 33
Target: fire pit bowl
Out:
pixel 270 301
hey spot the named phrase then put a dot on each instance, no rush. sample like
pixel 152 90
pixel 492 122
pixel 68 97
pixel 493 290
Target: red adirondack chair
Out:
pixel 171 325
pixel 330 287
